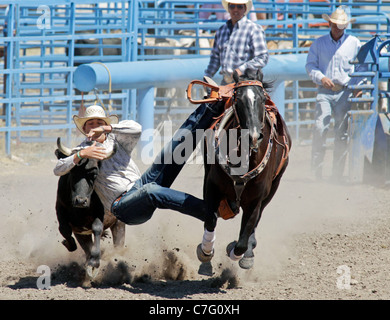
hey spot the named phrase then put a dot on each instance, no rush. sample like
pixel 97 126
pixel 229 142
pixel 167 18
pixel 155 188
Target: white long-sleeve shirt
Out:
pixel 330 58
pixel 117 174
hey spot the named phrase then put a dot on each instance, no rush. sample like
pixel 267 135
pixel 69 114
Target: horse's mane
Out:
pixel 253 75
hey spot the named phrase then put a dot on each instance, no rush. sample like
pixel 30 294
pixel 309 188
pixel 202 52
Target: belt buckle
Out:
pixel 337 87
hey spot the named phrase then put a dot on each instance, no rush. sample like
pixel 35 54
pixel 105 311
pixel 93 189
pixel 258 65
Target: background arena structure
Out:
pixel 45 42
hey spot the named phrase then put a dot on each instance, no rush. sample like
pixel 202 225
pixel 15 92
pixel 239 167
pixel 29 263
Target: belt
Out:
pixel 338 87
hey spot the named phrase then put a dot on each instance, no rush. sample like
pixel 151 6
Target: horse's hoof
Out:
pixel 230 251
pixel 206 269
pixel 202 256
pixel 92 272
pixel 230 247
pixel 247 262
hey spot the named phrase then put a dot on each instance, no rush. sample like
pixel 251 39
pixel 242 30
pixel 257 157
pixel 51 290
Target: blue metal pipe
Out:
pixel 171 73
pixel 139 74
pixel 146 113
pixel 146 75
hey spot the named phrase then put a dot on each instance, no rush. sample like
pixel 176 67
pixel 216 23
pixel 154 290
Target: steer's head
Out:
pixel 82 177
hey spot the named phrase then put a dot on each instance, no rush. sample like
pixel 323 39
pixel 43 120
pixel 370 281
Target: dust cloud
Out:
pixel 164 248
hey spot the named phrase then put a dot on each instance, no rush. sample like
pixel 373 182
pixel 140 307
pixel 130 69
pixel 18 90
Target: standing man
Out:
pixel 328 65
pixel 239 44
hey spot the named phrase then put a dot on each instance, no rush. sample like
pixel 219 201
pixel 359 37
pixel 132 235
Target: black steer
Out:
pixel 80 211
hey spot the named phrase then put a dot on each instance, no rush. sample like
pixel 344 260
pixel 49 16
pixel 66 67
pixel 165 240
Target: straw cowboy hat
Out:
pixel 248 4
pixel 338 17
pixel 93 112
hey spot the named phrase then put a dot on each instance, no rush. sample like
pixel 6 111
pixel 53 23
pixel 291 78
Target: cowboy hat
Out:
pixel 338 17
pixel 248 4
pixel 93 112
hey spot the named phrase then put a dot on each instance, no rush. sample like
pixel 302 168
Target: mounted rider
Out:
pixel 239 44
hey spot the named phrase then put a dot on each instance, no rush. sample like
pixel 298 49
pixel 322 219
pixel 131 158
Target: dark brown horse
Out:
pixel 249 182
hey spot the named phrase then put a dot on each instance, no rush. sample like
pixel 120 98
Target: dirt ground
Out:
pixel 316 241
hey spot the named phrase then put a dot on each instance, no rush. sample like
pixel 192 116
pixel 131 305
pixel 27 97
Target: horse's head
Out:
pixel 249 104
pixel 82 177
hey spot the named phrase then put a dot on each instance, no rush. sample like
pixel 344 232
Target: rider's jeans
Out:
pixel 330 103
pixel 153 190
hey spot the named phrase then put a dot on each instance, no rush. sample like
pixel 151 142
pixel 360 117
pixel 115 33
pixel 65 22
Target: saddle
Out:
pixel 225 93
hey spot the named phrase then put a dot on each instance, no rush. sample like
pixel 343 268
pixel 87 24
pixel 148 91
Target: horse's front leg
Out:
pixel 246 241
pixel 248 260
pixel 205 250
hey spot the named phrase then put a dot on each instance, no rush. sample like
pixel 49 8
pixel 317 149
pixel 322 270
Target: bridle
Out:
pixel 228 94
pixel 242 84
pixel 240 181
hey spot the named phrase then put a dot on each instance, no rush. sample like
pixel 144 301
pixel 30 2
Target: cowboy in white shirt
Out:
pixel 328 65
pixel 131 196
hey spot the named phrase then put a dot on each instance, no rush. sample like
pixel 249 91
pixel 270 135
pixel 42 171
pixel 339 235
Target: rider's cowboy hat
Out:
pixel 248 4
pixel 93 112
pixel 338 17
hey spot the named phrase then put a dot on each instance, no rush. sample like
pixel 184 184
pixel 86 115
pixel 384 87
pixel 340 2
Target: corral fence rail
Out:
pixel 44 41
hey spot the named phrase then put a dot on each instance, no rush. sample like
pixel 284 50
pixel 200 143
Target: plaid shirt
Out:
pixel 240 46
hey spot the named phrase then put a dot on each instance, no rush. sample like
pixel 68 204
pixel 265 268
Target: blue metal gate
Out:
pixel 42 40
pixel 40 44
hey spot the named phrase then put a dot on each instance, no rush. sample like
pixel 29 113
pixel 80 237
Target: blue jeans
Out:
pixel 330 103
pixel 153 191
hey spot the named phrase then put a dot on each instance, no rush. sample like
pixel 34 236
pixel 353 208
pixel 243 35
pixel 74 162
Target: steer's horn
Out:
pixel 66 151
